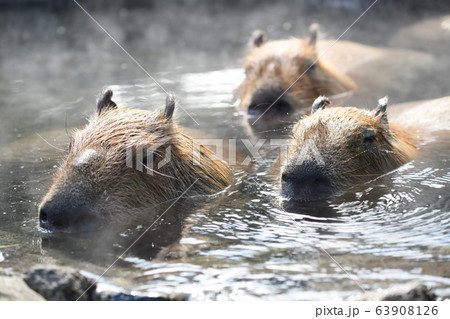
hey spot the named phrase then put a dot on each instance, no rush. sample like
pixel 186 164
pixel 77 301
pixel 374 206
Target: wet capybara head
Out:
pixel 125 162
pixel 338 147
pixel 284 77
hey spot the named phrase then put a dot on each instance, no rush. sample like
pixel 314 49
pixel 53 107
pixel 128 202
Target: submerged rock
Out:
pixel 408 292
pixel 60 283
pixel 13 287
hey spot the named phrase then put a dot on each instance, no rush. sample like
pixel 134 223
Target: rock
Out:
pixel 121 296
pixel 13 287
pixel 408 292
pixel 113 293
pixel 59 283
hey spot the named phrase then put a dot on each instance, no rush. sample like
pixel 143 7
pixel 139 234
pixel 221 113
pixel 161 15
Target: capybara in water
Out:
pixel 282 73
pixel 430 35
pixel 99 182
pixel 284 77
pixel 338 147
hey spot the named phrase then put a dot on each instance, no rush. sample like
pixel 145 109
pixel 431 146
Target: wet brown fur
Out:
pixel 276 65
pixel 114 191
pixel 338 133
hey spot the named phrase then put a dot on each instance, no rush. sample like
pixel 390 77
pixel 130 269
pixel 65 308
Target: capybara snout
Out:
pixel 336 148
pixel 126 162
pixel 270 102
pixel 308 181
pixel 67 216
pixel 68 207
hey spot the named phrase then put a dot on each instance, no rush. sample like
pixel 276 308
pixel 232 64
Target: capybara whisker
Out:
pixel 156 172
pixel 356 155
pixel 356 170
pixel 367 175
pixel 55 147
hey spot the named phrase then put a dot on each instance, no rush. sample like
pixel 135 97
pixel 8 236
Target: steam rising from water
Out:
pixel 241 245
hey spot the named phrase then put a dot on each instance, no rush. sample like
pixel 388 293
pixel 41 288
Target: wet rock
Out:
pixel 408 292
pixel 13 287
pixel 60 283
pixel 121 296
pixel 117 294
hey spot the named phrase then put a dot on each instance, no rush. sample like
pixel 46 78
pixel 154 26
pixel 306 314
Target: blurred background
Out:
pixel 54 58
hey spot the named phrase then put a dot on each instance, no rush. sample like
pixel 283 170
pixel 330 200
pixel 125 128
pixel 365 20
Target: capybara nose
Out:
pixel 269 104
pixel 305 184
pixel 53 217
pixel 43 219
pixel 64 218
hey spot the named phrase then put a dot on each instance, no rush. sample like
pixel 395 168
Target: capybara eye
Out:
pixel 70 144
pixel 368 137
pixel 369 140
pixel 145 160
pixel 154 156
pixel 311 65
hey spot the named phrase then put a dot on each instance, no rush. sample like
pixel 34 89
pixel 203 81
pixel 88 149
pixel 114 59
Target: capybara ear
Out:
pixel 320 103
pixel 313 32
pixel 381 109
pixel 104 101
pixel 170 106
pixel 258 38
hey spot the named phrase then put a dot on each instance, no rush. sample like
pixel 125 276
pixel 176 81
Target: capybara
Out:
pixel 402 74
pixel 430 35
pixel 109 175
pixel 283 73
pixel 338 147
pixel 284 77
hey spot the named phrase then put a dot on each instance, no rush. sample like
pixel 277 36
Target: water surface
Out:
pixel 243 243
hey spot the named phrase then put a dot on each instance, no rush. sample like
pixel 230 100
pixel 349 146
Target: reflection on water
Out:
pixel 244 243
